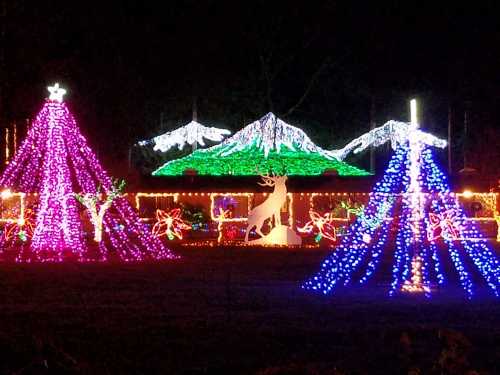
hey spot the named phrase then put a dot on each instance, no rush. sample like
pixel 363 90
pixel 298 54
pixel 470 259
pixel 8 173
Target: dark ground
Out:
pixel 239 312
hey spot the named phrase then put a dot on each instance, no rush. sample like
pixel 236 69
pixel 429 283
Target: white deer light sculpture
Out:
pixel 269 209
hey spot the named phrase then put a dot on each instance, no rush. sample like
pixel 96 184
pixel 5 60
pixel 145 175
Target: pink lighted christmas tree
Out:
pixel 54 166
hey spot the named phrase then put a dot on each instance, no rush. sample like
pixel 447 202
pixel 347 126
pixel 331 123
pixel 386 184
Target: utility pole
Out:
pixel 161 121
pixel 465 149
pixel 466 123
pixel 372 126
pixel 195 119
pixel 449 139
pixel 195 109
pixel 3 74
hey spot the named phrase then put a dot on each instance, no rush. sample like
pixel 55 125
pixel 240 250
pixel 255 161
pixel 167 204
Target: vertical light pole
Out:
pixel 372 126
pixel 466 123
pixel 14 139
pixel 414 189
pixel 415 201
pixel 195 119
pixel 465 147
pixel 7 141
pixel 449 139
pixel 413 112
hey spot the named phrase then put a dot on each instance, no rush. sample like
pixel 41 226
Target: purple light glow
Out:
pixel 54 161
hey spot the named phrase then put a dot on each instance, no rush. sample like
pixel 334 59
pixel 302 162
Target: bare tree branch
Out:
pixel 309 86
pixel 269 84
pixel 290 58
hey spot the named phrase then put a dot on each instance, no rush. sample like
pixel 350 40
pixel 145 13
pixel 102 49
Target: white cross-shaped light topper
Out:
pixel 56 92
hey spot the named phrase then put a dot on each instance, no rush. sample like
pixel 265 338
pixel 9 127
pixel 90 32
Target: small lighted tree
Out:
pixel 220 218
pixel 94 200
pixel 497 219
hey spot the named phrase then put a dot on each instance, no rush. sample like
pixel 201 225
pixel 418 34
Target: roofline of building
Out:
pixel 295 184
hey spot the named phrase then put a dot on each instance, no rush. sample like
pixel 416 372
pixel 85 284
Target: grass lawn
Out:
pixel 232 311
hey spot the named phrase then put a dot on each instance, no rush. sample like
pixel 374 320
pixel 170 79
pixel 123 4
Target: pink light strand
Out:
pixel 58 227
pixel 84 155
pixel 156 248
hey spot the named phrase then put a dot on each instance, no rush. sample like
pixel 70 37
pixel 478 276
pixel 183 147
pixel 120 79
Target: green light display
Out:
pixel 251 162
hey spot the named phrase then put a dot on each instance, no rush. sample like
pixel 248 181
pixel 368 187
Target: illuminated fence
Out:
pixel 12 207
pixel 323 202
pixel 147 203
pixel 480 208
pixel 237 204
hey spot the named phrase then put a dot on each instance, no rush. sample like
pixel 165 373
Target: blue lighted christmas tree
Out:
pixel 413 214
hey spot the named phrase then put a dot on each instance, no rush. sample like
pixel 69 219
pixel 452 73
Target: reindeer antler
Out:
pixel 268 180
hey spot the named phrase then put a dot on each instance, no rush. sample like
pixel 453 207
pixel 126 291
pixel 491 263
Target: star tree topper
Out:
pixel 56 93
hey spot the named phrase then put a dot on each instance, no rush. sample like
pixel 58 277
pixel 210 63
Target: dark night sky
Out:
pixel 125 63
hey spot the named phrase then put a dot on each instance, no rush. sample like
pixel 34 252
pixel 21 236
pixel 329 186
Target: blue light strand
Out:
pixel 436 182
pixel 428 250
pixel 402 260
pixel 339 265
pixel 433 250
pixel 425 271
pixel 465 280
pixel 403 241
pixel 478 250
pixel 376 252
pixel 437 265
pixel 359 248
pixel 392 181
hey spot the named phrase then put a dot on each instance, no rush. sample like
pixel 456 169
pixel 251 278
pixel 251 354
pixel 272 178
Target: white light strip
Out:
pixel 413 112
pixel 191 133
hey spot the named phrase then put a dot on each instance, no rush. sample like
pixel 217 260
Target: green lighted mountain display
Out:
pixel 266 145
